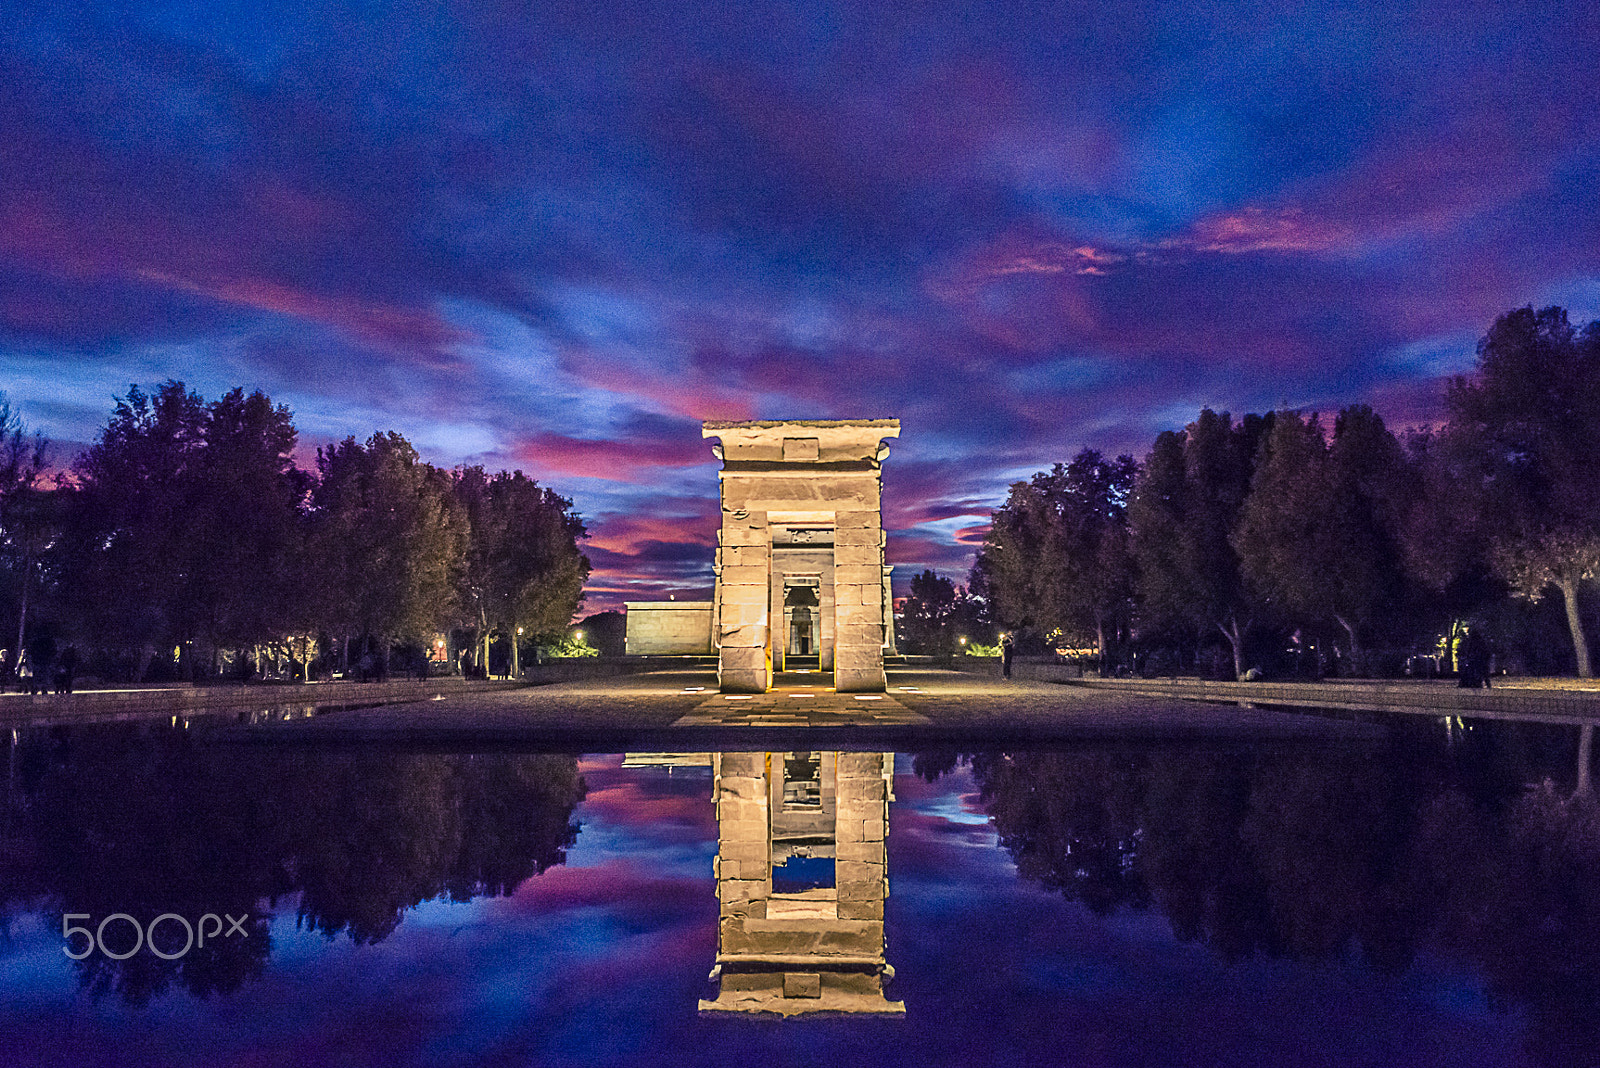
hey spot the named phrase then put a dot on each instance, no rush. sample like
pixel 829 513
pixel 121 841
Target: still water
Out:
pixel 1428 897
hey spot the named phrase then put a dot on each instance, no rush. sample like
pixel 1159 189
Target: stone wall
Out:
pixel 669 628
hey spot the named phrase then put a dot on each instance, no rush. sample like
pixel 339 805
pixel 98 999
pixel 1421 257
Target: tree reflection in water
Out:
pixel 147 821
pixel 1433 842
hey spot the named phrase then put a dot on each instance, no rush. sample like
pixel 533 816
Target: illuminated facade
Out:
pixel 800 566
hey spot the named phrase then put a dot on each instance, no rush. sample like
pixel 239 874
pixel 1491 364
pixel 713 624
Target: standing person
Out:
pixel 1474 660
pixel 24 672
pixel 1007 647
pixel 66 669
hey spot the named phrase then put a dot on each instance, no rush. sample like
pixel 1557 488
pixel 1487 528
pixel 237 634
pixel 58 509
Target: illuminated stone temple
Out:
pixel 800 575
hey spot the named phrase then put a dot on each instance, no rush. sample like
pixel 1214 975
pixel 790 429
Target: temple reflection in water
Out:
pixel 801 880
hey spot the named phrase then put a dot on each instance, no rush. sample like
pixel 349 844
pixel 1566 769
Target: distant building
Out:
pixel 669 628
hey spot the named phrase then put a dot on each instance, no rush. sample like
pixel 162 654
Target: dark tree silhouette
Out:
pixel 1056 556
pixel 523 566
pixel 184 525
pixel 389 541
pixel 1185 509
pixel 1318 538
pixel 1526 427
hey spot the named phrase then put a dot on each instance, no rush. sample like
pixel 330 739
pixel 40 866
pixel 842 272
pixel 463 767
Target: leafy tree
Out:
pixel 523 567
pixel 1182 518
pixel 1527 424
pixel 1006 571
pixel 185 521
pixel 1057 554
pixel 1318 538
pixel 24 529
pixel 1372 483
pixel 606 631
pixel 928 614
pixel 389 540
pixel 246 510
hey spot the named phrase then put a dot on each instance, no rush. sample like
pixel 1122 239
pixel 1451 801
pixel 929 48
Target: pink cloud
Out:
pixel 615 460
pixel 381 323
pixel 630 533
pixel 1255 229
pixel 695 396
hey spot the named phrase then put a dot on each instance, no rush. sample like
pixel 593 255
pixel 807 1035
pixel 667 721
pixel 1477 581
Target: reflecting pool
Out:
pixel 1430 897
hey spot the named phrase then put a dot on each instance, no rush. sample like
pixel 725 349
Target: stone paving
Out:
pixel 680 710
pixel 801 700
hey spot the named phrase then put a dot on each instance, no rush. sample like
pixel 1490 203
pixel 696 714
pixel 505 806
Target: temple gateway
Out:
pixel 800 576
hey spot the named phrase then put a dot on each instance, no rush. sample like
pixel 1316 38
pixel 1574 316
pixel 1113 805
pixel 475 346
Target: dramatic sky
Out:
pixel 556 236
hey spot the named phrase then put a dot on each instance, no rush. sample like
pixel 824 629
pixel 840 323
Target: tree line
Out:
pixel 186 535
pixel 1282 543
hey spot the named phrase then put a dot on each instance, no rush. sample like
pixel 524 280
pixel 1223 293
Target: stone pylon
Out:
pixel 802 508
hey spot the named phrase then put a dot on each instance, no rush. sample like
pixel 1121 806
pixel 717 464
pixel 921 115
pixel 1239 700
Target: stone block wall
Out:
pixel 669 628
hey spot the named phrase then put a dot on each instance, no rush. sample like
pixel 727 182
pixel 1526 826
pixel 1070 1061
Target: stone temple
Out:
pixel 800 573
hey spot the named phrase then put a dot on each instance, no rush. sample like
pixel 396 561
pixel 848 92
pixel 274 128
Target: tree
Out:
pixel 389 540
pixel 928 613
pixel 1057 554
pixel 185 522
pixel 128 552
pixel 1006 571
pixel 1318 538
pixel 1182 517
pixel 522 568
pixel 23 530
pixel 1528 424
pixel 246 514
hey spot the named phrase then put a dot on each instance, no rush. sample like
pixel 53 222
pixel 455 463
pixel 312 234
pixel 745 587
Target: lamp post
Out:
pixel 516 655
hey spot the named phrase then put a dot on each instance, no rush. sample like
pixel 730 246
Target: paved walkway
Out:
pixel 680 711
pixel 1528 700
pixel 251 701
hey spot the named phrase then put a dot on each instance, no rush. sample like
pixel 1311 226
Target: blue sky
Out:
pixel 558 236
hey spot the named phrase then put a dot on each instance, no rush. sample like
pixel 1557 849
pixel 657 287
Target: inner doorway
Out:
pixel 802 624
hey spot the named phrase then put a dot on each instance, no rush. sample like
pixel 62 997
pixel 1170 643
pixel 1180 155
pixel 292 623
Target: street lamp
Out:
pixel 516 655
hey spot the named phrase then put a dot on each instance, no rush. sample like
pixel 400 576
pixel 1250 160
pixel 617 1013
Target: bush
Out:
pixel 570 647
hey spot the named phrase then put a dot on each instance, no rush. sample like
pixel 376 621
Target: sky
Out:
pixel 555 237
